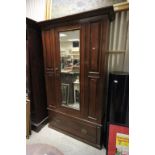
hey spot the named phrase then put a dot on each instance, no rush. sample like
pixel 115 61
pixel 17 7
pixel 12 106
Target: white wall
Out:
pixel 35 9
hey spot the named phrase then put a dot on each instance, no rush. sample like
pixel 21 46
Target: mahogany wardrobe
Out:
pixel 74 53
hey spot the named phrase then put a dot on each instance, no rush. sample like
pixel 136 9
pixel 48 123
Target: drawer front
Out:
pixel 74 127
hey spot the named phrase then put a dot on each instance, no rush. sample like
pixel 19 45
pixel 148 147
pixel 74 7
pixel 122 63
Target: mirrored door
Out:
pixel 70 68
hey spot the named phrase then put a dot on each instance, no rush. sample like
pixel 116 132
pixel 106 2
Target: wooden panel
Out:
pixel 82 69
pixel 73 126
pixel 50 87
pixel 53 47
pixel 77 18
pixel 95 98
pixel 49 65
pixel 102 90
pixel 36 78
pixel 48 45
pixel 93 64
pixel 92 98
pixel 57 65
pixel 94 45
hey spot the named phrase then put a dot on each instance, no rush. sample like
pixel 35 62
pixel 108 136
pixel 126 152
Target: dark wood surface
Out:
pixel 85 124
pixel 76 127
pixel 36 74
pixel 96 73
pixel 78 18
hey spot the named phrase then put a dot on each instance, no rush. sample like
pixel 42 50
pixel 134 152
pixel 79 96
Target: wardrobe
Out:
pixel 35 82
pixel 74 51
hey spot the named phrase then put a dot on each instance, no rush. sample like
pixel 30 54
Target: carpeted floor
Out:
pixel 65 144
pixel 42 149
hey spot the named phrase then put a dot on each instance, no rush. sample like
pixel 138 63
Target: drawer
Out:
pixel 74 127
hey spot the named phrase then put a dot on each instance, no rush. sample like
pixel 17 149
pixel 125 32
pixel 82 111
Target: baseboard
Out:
pixel 38 126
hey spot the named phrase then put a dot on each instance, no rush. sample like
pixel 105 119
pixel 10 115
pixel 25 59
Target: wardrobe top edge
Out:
pixel 30 23
pixel 92 13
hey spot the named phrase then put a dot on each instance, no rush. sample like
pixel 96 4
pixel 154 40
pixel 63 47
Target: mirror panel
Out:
pixel 70 68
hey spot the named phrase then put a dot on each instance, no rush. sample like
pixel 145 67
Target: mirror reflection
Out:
pixel 70 68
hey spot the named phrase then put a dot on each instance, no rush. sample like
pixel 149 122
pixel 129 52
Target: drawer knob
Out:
pixel 84 131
